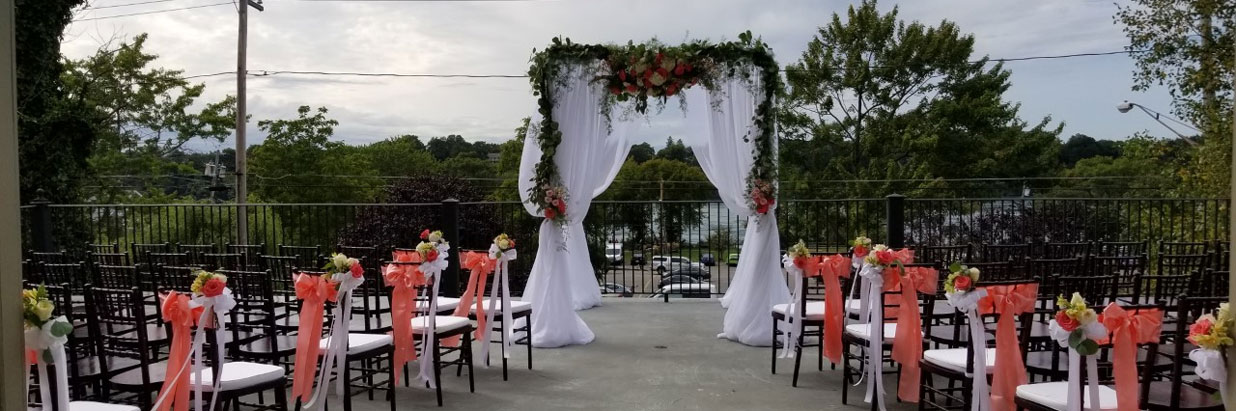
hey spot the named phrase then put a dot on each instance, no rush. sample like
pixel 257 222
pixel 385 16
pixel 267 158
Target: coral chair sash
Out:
pixel 181 317
pixel 480 266
pixel 403 280
pixel 1010 371
pixel 832 268
pixel 908 343
pixel 1127 330
pixel 314 291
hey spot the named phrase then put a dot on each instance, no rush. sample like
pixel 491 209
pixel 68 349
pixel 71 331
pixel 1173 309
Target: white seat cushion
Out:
pixel 516 307
pixel 863 331
pixel 1055 395
pixel 443 323
pixel 814 311
pixel 955 358
pixel 360 343
pixel 444 304
pixel 98 406
pixel 238 375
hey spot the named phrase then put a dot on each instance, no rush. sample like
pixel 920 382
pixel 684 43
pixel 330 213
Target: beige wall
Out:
pixel 11 361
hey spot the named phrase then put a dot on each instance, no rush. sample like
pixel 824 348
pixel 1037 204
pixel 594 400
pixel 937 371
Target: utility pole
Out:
pixel 242 188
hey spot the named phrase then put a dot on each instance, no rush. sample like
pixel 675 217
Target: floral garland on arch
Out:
pixel 636 73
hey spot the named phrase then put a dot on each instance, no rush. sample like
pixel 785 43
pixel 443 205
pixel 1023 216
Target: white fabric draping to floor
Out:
pixel 724 117
pixel 588 158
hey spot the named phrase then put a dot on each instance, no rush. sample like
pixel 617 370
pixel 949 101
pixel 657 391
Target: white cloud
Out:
pixel 498 37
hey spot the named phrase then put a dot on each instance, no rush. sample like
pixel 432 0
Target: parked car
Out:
pixel 663 264
pixel 696 290
pixel 637 258
pixel 708 260
pixel 680 279
pixel 732 260
pixel 693 272
pixel 617 290
pixel 613 253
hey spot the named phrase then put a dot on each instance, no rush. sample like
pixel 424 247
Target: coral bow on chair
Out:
pixel 1010 371
pixel 1127 330
pixel 833 268
pixel 314 291
pixel 908 343
pixel 480 266
pixel 403 280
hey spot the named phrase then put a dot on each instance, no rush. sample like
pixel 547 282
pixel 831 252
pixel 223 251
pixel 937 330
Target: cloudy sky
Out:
pixel 497 37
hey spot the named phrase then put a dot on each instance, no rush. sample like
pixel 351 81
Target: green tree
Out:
pixel 54 132
pixel 297 163
pixel 1188 49
pixel 677 151
pixel 642 152
pixel 896 101
pixel 400 156
pixel 658 179
pixel 142 116
pixel 453 145
pixel 1080 147
pixel 1145 167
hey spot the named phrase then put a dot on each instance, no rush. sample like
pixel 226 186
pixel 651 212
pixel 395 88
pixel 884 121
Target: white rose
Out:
pixel 879 247
pixel 44 310
pixel 352 262
pixel 339 260
pixel 435 237
pixel 974 272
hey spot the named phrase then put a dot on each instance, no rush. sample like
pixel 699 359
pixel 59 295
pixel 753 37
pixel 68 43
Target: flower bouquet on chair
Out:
pixel 45 338
pixel 960 287
pixel 1212 334
pixel 860 247
pixel 963 294
pixel 1077 327
pixel 799 263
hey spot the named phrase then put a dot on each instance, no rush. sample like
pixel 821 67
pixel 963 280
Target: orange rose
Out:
pixel 962 283
pixel 213 287
pixel 860 251
pixel 886 257
pixel 432 255
pixel 1200 327
pixel 357 271
pixel 1066 323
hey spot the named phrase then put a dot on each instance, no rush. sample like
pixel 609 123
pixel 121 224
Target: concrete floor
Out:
pixel 648 355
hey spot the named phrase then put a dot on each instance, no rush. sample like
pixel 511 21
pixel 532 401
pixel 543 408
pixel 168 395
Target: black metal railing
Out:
pixel 619 233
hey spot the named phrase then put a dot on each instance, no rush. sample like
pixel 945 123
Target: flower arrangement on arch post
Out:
pixel 763 196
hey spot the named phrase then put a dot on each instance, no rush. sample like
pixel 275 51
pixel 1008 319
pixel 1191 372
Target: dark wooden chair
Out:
pixel 445 327
pixel 955 365
pixel 1065 250
pixel 1129 269
pixel 1015 253
pixel 943 255
pixel 1174 264
pixel 1121 248
pixel 1183 247
pixel 308 257
pixel 859 334
pixel 1174 392
pixel 811 303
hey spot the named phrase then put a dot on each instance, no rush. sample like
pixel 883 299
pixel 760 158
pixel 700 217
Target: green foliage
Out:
pixel 658 179
pixel 1189 50
pixel 54 133
pixel 1080 147
pixel 874 97
pixel 290 164
pixel 399 156
pixel 677 151
pixel 141 116
pixel 1153 165
pixel 642 152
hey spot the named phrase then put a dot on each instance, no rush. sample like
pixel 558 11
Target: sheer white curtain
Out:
pixel 720 120
pixel 588 159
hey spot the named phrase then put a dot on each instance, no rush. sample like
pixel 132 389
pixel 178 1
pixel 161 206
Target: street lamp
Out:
pixel 1126 105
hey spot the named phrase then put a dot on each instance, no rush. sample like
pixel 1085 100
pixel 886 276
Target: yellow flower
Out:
pixel 44 310
pixel 339 260
pixel 1087 317
pixel 1077 301
pixel 435 236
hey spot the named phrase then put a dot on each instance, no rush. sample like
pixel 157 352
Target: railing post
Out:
pixel 450 229
pixel 895 236
pixel 41 227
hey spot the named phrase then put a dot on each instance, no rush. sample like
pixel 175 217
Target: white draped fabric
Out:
pixel 721 120
pixel 588 158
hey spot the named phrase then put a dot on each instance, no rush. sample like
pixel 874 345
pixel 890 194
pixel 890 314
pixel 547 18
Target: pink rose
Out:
pixel 357 270
pixel 213 287
pixel 1066 323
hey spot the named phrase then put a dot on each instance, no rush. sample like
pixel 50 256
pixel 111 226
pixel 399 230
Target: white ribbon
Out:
pixel 40 340
pixel 433 271
pixel 794 313
pixel 501 276
pixel 1094 330
pixel 335 358
pixel 967 303
pixel 218 305
pixel 872 311
pixel 1210 366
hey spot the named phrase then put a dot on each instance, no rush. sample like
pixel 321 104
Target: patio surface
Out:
pixel 648 355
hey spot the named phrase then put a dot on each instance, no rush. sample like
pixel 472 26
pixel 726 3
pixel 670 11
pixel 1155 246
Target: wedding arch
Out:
pixel 587 99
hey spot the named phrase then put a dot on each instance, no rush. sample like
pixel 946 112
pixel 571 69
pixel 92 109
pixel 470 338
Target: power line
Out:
pixel 268 73
pixel 112 6
pixel 153 12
